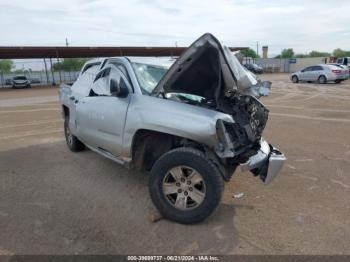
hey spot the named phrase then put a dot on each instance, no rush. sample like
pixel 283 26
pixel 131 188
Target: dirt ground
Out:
pixel 53 201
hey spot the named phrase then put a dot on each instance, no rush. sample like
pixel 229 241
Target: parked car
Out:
pixel 190 125
pixel 20 82
pixel 254 68
pixel 344 61
pixel 321 73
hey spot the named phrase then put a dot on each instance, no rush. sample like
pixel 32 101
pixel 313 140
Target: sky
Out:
pixel 302 25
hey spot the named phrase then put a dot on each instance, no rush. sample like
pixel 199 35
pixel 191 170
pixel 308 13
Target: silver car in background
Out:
pixel 321 73
pixel 20 82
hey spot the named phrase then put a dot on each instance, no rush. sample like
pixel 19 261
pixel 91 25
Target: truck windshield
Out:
pixel 148 76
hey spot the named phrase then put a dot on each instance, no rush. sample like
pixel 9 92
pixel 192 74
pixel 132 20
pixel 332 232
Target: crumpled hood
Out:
pixel 210 70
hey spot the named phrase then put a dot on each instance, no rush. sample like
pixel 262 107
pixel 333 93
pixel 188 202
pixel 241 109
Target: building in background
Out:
pixel 265 50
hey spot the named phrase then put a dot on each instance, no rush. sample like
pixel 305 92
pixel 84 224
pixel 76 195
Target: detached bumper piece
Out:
pixel 266 163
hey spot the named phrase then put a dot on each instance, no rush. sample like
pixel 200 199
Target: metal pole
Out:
pixel 59 66
pixel 2 79
pixel 59 69
pixel 53 77
pixel 47 74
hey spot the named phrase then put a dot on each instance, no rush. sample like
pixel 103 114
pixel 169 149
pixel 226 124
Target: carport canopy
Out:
pixel 19 52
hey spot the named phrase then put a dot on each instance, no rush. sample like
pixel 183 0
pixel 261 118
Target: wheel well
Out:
pixel 294 76
pixel 65 111
pixel 321 76
pixel 149 145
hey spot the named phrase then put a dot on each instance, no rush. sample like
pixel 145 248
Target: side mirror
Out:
pixel 118 89
pixel 302 71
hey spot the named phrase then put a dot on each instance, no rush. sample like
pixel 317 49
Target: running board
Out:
pixel 110 156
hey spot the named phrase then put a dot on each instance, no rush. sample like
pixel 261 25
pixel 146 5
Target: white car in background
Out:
pixel 322 74
pixel 344 61
pixel 20 82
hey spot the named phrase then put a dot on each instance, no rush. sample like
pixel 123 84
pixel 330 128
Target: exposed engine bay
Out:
pixel 210 76
pixel 249 113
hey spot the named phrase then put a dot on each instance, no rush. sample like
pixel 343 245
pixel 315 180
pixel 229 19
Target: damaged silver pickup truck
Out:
pixel 190 125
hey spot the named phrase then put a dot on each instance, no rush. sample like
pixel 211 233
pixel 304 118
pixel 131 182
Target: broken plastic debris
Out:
pixel 238 195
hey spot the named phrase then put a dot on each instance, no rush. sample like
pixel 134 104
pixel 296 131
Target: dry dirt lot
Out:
pixel 53 201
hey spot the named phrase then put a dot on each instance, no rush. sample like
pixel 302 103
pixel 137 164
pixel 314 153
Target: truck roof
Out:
pixel 158 61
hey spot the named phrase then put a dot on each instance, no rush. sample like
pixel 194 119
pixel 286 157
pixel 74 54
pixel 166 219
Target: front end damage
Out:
pixel 266 163
pixel 238 142
pixel 209 72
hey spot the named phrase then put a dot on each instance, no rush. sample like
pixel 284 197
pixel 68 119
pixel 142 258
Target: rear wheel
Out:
pixel 185 186
pixel 295 79
pixel 337 81
pixel 73 142
pixel 322 80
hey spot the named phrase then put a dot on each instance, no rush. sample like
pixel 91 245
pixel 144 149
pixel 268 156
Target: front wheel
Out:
pixel 295 79
pixel 322 80
pixel 72 141
pixel 185 186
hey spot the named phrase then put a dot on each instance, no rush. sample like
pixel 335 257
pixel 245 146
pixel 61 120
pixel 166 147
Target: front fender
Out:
pixel 171 117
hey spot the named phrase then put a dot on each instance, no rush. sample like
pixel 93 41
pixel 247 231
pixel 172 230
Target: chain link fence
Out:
pixel 38 73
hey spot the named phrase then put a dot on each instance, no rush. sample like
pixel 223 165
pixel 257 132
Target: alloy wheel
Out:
pixel 184 188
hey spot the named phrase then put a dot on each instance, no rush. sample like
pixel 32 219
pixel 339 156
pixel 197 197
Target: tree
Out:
pixel 70 64
pixel 6 65
pixel 302 55
pixel 287 53
pixel 319 54
pixel 341 53
pixel 249 53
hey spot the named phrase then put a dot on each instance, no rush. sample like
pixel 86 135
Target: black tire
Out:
pixel 72 141
pixel 322 80
pixel 211 178
pixel 295 79
pixel 337 81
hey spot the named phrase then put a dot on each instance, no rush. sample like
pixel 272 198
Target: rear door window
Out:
pixel 317 68
pixel 308 69
pixel 100 85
